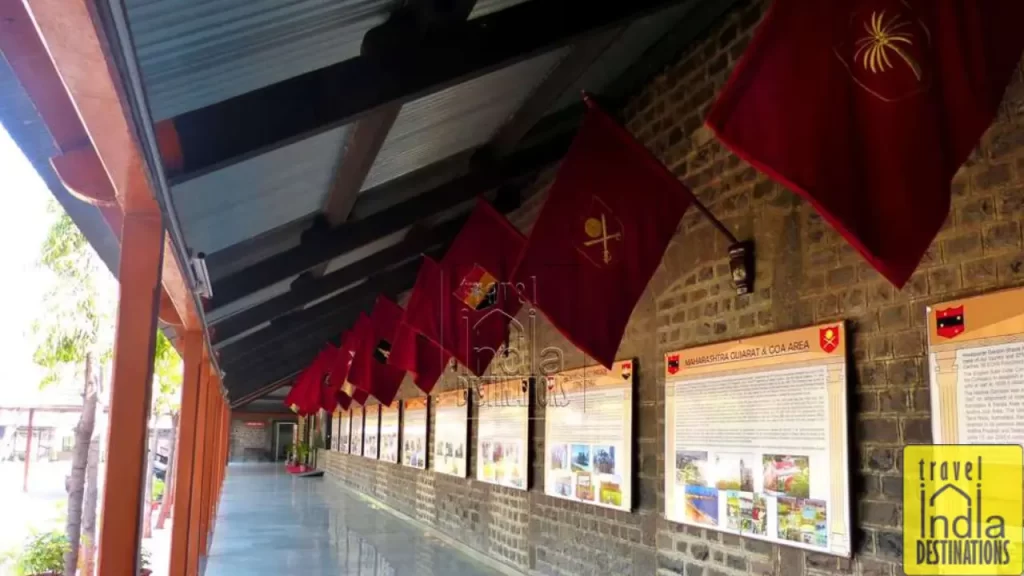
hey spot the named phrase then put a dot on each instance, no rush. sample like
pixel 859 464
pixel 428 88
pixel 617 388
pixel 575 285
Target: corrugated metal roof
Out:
pixel 250 300
pixel 625 51
pixel 256 195
pixel 194 53
pixel 457 118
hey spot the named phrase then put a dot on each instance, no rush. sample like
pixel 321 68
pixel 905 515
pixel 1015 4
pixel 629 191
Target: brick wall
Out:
pixel 806 274
pixel 249 443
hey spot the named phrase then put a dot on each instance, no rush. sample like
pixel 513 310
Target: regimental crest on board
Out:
pixel 478 289
pixel 828 338
pixel 627 370
pixel 886 48
pixel 600 234
pixel 673 363
pixel 382 351
pixel 949 323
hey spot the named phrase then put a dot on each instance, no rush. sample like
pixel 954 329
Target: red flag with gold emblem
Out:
pixel 606 223
pixel 418 355
pixel 370 369
pixel 867 108
pixel 465 304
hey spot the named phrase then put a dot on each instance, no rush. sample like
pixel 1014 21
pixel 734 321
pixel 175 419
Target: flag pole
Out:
pixel 714 221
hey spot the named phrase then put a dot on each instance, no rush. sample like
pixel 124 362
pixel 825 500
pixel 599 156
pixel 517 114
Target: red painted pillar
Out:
pixel 195 548
pixel 183 470
pixel 130 392
pixel 28 449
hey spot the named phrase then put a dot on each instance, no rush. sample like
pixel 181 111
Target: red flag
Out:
pixel 314 381
pixel 465 305
pixel 867 108
pixel 600 236
pixel 344 400
pixel 418 355
pixel 371 370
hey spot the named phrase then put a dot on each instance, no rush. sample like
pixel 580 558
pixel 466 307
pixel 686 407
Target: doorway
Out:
pixel 284 436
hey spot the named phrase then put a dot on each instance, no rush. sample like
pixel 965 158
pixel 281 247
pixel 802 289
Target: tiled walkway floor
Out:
pixel 271 523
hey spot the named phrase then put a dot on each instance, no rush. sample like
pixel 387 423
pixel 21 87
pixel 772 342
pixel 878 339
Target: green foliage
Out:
pixel 167 372
pixel 44 552
pixel 158 490
pixel 76 321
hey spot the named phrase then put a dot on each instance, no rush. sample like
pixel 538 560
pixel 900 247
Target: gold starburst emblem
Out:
pixel 883 41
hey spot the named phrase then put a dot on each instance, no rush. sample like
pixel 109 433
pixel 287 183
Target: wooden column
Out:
pixel 28 448
pixel 209 439
pixel 198 462
pixel 187 419
pixel 130 390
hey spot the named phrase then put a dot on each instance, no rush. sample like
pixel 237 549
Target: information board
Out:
pixel 451 433
pixel 414 433
pixel 356 443
pixel 334 430
pixel 976 365
pixel 371 431
pixel 344 429
pixel 503 440
pixel 389 433
pixel 756 438
pixel 588 435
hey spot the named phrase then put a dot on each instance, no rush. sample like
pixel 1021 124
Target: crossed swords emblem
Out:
pixel 598 230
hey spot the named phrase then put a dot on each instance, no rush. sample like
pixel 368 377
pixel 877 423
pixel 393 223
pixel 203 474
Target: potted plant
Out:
pixel 301 454
pixel 43 555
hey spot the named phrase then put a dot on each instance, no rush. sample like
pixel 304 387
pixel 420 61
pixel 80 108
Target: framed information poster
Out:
pixel 976 365
pixel 414 433
pixel 356 443
pixel 588 435
pixel 389 433
pixel 371 431
pixel 756 438
pixel 344 430
pixel 334 430
pixel 503 440
pixel 451 432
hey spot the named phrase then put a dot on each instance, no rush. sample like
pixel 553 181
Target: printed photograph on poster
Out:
pixel 611 491
pixel 735 471
pixel 787 475
pixel 563 485
pixel 414 452
pixel 604 459
pixel 580 458
pixel 702 505
pixel 802 520
pixel 691 467
pixel 559 457
pixel 585 486
pixel 389 447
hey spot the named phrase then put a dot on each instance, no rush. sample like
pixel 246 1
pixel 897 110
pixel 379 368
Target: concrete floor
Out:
pixel 270 522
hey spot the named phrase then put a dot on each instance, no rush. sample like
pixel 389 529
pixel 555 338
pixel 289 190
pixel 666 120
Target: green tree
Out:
pixel 75 331
pixel 167 376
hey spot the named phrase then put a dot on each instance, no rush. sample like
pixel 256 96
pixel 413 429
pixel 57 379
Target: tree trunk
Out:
pixel 79 460
pixel 171 476
pixel 89 507
pixel 147 502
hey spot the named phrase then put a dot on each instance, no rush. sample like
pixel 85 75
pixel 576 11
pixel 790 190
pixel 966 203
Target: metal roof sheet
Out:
pixel 625 51
pixel 194 53
pixel 458 118
pixel 254 196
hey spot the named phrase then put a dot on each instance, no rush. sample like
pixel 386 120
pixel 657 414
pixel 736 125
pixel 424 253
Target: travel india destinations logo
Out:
pixel 962 509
